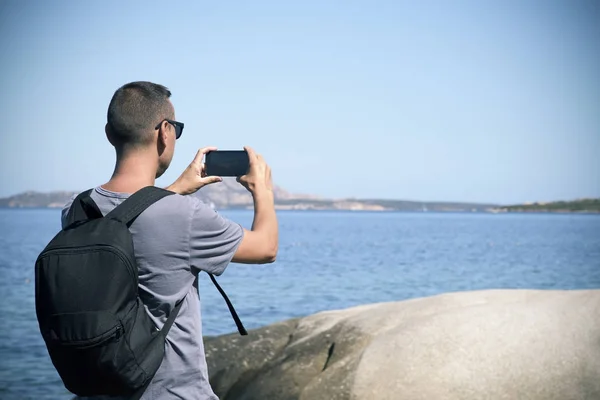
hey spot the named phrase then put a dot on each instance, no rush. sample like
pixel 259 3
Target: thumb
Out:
pixel 198 159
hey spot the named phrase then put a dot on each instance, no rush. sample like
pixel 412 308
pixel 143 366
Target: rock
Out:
pixel 495 344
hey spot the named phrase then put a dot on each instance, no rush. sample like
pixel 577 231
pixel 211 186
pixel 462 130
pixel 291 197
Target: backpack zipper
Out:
pixel 114 333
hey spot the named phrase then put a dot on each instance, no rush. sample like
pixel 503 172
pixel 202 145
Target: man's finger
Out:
pixel 200 154
pixel 251 153
pixel 211 179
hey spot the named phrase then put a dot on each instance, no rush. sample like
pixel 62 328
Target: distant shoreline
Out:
pixel 332 210
pixel 234 197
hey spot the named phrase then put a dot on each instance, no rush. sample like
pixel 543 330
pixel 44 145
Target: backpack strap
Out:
pixel 135 204
pixel 237 320
pixel 83 208
pixel 169 322
pixel 163 332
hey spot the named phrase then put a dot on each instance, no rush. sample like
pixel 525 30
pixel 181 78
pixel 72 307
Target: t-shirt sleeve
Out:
pixel 213 239
pixel 65 211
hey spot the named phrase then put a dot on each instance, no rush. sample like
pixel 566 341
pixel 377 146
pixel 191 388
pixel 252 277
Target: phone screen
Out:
pixel 227 163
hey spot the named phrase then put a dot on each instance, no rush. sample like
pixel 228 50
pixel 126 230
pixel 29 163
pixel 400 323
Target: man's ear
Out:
pixel 108 134
pixel 163 134
pixel 163 137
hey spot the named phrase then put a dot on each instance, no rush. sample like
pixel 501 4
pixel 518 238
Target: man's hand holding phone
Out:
pixel 260 244
pixel 209 165
pixel 258 178
pixel 194 177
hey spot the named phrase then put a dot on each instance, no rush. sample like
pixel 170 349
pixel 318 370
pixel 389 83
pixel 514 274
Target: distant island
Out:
pixel 581 205
pixel 231 195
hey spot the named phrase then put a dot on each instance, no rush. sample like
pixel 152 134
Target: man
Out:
pixel 178 237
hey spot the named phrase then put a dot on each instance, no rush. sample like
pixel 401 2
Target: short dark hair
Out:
pixel 134 111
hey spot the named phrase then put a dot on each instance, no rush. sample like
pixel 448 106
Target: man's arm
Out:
pixel 259 245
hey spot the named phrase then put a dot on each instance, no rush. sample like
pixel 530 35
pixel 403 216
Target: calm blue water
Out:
pixel 327 260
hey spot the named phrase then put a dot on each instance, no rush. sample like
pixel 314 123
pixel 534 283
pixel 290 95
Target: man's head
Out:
pixel 138 120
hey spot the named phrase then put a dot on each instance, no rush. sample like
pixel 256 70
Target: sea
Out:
pixel 326 261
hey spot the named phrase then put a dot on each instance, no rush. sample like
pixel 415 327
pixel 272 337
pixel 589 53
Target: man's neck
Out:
pixel 131 174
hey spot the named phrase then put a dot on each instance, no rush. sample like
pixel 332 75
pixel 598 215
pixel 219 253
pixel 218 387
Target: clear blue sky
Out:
pixel 448 100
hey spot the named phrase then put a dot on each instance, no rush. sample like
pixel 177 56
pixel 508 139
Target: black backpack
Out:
pixel 97 332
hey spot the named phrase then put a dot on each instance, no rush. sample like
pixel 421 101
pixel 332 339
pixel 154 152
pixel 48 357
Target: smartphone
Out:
pixel 227 163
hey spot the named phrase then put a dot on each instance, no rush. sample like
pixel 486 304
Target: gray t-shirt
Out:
pixel 175 239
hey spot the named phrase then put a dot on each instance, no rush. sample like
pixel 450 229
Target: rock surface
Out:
pixel 496 344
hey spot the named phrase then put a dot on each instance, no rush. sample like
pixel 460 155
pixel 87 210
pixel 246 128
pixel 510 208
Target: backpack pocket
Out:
pixel 84 347
pixel 82 329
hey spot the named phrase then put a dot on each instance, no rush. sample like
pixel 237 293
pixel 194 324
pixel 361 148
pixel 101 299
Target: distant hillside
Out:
pixel 580 205
pixel 33 199
pixel 228 194
pixel 231 195
pixel 431 206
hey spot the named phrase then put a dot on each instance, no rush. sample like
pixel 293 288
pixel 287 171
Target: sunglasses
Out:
pixel 178 127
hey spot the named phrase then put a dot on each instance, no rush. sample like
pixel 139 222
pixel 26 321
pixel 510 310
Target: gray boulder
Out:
pixel 494 344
